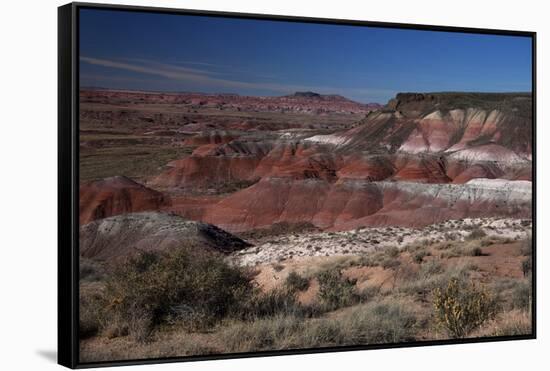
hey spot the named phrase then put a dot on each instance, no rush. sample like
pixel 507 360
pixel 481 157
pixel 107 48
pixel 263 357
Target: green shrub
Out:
pixel 460 308
pixel 189 286
pixel 336 291
pixel 295 282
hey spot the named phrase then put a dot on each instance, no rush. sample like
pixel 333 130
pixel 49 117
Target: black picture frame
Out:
pixel 68 175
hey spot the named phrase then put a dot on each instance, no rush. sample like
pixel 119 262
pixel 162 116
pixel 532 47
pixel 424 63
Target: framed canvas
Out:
pixel 238 185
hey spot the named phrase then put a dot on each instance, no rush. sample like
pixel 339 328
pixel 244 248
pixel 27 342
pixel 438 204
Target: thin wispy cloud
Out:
pixel 183 66
pixel 208 78
pixel 179 67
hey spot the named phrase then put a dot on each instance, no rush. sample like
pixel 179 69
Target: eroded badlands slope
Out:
pixel 474 154
pixel 421 159
pixel 117 195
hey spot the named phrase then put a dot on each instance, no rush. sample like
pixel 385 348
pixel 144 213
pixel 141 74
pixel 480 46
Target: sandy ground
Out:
pixel 365 240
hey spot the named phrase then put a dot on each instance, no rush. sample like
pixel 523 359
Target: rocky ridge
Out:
pixel 121 236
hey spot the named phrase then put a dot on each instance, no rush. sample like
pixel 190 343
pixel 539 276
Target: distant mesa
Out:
pixel 306 94
pixel 122 236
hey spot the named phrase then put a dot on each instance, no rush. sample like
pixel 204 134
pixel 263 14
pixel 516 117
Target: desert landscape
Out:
pixel 227 223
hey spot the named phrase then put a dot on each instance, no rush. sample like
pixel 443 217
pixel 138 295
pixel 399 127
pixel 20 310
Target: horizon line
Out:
pixel 175 92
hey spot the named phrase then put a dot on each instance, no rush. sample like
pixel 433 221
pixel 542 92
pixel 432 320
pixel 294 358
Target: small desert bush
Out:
pixel 188 286
pixel 336 291
pixel 462 308
pixel 476 234
pixel 295 282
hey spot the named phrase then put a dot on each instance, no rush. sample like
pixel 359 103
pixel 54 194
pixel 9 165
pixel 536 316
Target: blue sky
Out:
pixel 163 52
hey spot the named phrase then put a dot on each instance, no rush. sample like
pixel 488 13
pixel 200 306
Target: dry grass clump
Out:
pixel 386 321
pixel 433 275
pixel 383 257
pixel 458 249
pixel 511 323
pixel 272 303
pixel 513 293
